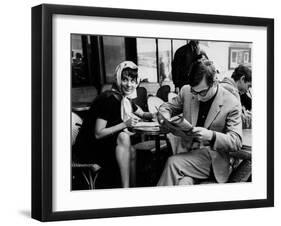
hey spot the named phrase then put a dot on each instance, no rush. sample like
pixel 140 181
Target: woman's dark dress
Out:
pixel 88 149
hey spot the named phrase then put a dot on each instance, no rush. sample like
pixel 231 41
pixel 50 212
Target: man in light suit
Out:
pixel 216 116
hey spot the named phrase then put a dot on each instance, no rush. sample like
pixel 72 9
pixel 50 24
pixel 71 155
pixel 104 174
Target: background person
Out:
pixel 183 58
pixel 238 85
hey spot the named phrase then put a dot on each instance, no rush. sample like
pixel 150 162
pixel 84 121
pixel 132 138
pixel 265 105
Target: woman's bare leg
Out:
pixel 123 157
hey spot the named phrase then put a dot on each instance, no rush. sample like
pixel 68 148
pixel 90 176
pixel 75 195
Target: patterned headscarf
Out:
pixel 126 106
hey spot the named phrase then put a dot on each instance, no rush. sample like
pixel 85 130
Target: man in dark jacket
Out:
pixel 184 56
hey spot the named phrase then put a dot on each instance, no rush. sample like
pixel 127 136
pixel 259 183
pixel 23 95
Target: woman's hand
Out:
pixel 131 122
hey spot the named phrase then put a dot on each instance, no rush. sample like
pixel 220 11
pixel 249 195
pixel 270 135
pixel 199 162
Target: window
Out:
pixel 164 59
pixel 114 53
pixel 79 72
pixel 146 55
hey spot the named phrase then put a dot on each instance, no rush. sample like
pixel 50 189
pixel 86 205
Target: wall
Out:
pixel 16 113
pixel 218 52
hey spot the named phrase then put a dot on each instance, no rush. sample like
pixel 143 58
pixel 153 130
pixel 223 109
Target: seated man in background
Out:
pixel 216 116
pixel 238 85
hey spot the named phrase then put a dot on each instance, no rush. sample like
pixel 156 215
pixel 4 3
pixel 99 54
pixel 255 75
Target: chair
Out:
pixel 171 96
pixel 82 97
pixel 106 87
pixel 141 99
pixel 241 167
pixel 82 173
pixel 154 103
pixel 76 125
pixel 150 145
pixel 163 92
pixel 169 83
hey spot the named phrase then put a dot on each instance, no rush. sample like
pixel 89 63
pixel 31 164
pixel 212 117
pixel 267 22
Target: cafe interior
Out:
pixel 93 62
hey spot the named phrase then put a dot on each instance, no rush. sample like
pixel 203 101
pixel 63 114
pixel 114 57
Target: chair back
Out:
pixel 154 103
pixel 106 87
pixel 141 99
pixel 76 125
pixel 171 96
pixel 163 92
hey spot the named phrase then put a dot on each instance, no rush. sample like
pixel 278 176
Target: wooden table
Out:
pixel 155 146
pixel 150 129
pixel 81 106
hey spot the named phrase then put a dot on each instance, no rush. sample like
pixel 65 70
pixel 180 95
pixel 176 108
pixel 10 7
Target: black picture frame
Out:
pixel 42 107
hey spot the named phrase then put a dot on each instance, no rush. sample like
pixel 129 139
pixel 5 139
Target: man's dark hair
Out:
pixel 240 71
pixel 201 69
pixel 132 73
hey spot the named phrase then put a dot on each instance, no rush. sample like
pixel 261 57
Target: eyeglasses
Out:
pixel 201 93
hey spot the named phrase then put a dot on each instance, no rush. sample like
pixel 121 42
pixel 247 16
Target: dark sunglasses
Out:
pixel 201 93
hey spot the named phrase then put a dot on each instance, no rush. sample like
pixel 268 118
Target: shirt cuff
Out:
pixel 213 140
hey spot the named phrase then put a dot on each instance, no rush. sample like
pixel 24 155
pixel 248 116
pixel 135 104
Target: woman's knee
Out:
pixel 123 139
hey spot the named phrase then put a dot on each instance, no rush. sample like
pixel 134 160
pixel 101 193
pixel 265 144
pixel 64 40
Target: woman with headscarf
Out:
pixel 104 137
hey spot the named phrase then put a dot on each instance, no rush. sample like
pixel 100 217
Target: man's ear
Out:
pixel 242 78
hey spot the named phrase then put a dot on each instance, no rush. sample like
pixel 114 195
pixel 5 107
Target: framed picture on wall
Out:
pixel 239 56
pixel 78 53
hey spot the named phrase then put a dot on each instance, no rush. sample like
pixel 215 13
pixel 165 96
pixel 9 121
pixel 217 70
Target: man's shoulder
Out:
pixel 229 85
pixel 185 89
pixel 228 97
pixel 107 97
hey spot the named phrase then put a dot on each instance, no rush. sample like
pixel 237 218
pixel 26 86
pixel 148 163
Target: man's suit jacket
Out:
pixel 224 117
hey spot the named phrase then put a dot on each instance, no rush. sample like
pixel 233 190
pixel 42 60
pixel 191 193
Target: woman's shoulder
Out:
pixel 107 97
pixel 110 95
pixel 103 102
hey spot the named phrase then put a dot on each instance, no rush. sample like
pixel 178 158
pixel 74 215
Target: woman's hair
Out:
pixel 129 72
pixel 240 71
pixel 200 69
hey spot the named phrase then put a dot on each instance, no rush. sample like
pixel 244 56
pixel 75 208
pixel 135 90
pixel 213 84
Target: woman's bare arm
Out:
pixel 145 115
pixel 101 131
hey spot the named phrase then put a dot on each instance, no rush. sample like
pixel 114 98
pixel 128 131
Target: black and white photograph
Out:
pixel 141 112
pixel 159 112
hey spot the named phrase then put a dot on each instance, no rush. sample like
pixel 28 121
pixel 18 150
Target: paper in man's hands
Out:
pixel 179 126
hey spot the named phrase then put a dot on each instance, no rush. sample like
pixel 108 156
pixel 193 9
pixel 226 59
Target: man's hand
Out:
pixel 160 118
pixel 202 134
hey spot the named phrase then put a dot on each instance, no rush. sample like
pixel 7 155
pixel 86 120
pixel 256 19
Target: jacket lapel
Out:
pixel 215 108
